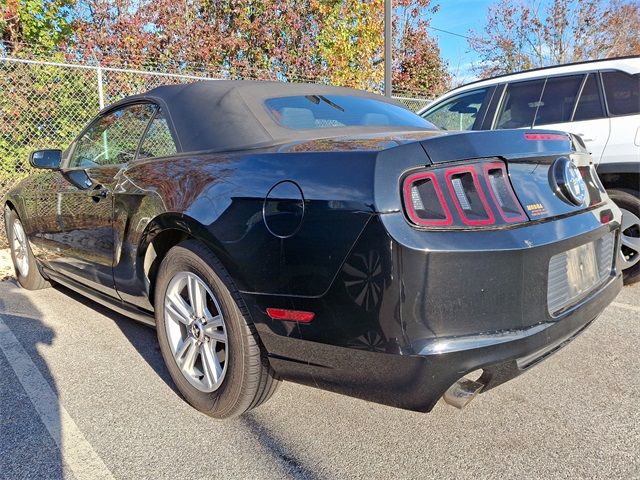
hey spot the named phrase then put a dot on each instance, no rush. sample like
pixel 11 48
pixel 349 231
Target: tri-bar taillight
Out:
pixel 478 194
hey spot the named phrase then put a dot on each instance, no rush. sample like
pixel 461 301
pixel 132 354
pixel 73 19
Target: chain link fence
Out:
pixel 413 103
pixel 45 104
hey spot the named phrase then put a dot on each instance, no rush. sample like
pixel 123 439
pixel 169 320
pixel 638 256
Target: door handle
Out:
pixel 99 193
pixel 581 135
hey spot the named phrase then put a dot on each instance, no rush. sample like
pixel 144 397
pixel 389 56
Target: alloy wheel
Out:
pixel 20 248
pixel 629 239
pixel 196 331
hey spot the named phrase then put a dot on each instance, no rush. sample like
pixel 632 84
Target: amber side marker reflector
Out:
pixel 290 315
pixel 545 136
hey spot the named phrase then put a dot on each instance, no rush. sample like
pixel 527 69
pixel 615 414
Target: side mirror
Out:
pixel 49 159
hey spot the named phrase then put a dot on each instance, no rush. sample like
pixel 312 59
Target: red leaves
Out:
pixel 338 41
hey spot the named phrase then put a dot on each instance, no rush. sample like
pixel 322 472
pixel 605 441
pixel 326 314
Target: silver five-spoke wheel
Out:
pixel 206 337
pixel 196 331
pixel 20 248
pixel 629 239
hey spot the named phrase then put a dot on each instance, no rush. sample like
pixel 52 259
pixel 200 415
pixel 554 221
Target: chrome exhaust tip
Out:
pixel 462 392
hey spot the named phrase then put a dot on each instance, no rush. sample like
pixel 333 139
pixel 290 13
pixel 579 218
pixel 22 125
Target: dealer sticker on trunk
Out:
pixel 536 209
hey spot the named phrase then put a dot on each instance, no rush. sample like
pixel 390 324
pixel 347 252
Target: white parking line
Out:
pixel 624 306
pixel 76 452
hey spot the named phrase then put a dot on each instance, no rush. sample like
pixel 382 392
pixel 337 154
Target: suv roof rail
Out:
pixel 537 69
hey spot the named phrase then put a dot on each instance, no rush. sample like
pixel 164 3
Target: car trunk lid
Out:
pixel 534 160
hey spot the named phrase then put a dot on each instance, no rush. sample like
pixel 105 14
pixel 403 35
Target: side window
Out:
pixel 590 104
pixel 520 103
pixel 622 92
pixel 558 99
pixel 158 141
pixel 459 112
pixel 113 139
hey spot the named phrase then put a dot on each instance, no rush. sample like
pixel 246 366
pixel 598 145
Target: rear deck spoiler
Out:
pixel 504 143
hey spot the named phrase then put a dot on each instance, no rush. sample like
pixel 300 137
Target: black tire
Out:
pixel 249 380
pixel 630 203
pixel 33 280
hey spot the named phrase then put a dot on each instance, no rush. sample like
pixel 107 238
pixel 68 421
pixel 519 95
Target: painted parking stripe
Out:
pixel 624 306
pixel 76 451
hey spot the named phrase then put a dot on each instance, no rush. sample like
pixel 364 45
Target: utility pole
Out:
pixel 388 43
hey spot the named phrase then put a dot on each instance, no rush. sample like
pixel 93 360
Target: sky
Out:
pixel 459 16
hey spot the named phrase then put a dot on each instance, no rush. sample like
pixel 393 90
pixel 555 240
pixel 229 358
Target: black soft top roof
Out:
pixel 222 115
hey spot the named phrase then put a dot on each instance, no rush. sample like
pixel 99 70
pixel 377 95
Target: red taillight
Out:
pixel 504 198
pixel 546 136
pixel 424 200
pixel 290 315
pixel 428 205
pixel 468 196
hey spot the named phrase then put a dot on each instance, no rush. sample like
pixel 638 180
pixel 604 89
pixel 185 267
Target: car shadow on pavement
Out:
pixel 30 436
pixel 142 337
pixel 294 467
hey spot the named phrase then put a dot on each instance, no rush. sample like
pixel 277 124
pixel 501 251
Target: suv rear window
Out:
pixel 622 92
pixel 335 111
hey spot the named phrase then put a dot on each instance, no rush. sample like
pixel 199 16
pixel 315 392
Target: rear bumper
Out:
pixel 496 316
pixel 440 307
pixel 503 359
pixel 416 382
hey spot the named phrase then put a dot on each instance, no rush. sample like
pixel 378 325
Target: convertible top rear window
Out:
pixel 335 111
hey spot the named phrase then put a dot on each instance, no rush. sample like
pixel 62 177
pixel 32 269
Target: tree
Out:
pixel 521 35
pixel 339 41
pixel 417 67
pixel 349 42
pixel 45 23
pixel 620 32
pixel 41 106
pixel 336 41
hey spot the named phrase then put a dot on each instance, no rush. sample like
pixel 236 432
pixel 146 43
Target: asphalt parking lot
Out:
pixel 84 394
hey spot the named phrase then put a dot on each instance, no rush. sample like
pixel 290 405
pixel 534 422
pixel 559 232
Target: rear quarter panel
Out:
pixel 219 199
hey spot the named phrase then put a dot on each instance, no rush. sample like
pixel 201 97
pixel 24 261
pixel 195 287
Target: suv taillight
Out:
pixel 472 195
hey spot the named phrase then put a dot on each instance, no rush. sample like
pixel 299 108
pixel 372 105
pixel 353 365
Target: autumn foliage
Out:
pixel 520 34
pixel 336 41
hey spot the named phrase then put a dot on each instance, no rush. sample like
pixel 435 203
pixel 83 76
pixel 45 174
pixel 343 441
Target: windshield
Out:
pixel 331 111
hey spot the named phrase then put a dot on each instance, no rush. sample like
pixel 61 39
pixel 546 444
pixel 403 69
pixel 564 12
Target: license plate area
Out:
pixel 577 272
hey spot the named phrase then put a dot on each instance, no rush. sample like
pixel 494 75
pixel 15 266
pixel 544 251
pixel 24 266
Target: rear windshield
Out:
pixel 331 111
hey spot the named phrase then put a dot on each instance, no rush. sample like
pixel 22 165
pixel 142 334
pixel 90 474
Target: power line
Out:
pixel 450 33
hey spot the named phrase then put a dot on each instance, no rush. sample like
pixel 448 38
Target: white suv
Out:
pixel 598 100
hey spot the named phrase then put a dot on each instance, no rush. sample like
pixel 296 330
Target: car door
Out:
pixel 83 235
pixel 573 103
pixel 134 208
pixel 465 111
pixel 622 93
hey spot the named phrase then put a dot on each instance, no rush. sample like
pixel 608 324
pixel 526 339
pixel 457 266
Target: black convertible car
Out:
pixel 321 235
